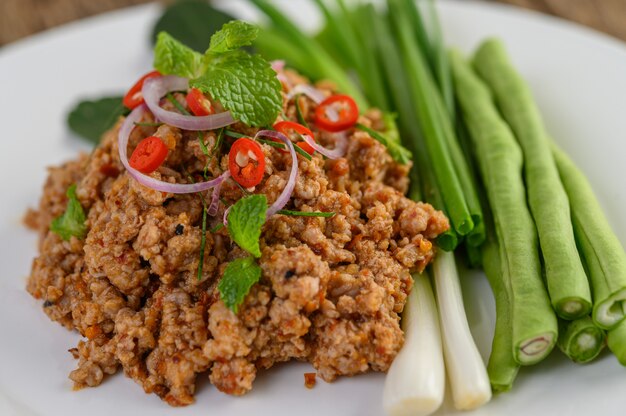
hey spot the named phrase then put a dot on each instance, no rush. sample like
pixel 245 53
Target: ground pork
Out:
pixel 331 292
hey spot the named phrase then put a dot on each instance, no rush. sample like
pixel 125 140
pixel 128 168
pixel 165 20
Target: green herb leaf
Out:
pixel 398 152
pixel 91 119
pixel 72 222
pixel 240 275
pixel 192 22
pixel 244 84
pixel 233 36
pixel 171 57
pixel 305 213
pixel 245 220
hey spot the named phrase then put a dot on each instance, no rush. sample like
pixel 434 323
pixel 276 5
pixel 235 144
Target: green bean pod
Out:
pixel 502 367
pixel 616 341
pixel 602 252
pixel 565 275
pixel 534 324
pixel 581 340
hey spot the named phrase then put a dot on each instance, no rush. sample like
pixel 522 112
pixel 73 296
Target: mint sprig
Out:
pixel 240 275
pixel 72 222
pixel 245 220
pixel 244 84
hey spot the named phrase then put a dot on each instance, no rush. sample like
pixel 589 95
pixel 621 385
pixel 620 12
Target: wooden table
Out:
pixel 20 18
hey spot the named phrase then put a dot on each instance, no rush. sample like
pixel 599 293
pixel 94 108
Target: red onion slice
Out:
pixel 284 196
pixel 175 188
pixel 341 145
pixel 313 93
pixel 155 88
pixel 215 198
pixel 277 65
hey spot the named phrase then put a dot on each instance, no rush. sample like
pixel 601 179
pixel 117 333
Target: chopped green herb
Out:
pixel 301 119
pixel 277 145
pixel 305 214
pixel 245 220
pixel 218 227
pixel 240 275
pixel 202 239
pixel 244 84
pixel 72 222
pixel 176 104
pixel 91 119
pixel 234 134
pixel 398 152
pixel 148 124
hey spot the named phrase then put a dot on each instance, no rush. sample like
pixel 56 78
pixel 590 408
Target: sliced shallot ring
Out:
pixel 313 93
pixel 285 195
pixel 174 188
pixel 215 197
pixel 155 88
pixel 341 145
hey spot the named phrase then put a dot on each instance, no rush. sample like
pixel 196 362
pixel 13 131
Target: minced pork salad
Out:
pixel 237 217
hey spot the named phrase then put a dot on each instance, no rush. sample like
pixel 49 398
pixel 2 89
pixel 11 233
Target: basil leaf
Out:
pixel 173 58
pixel 240 275
pixel 72 222
pixel 245 220
pixel 91 119
pixel 192 22
pixel 244 84
pixel 233 36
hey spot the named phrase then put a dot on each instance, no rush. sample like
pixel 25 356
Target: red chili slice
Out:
pixel 148 155
pixel 198 103
pixel 246 162
pixel 134 97
pixel 347 113
pixel 287 127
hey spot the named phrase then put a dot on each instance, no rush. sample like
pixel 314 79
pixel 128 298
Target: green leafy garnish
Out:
pixel 91 119
pixel 240 275
pixel 233 36
pixel 245 220
pixel 191 22
pixel 72 222
pixel 305 214
pixel 398 152
pixel 244 84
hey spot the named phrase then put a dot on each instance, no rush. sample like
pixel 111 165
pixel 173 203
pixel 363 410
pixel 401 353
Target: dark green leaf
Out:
pixel 72 222
pixel 192 22
pixel 240 275
pixel 245 220
pixel 91 119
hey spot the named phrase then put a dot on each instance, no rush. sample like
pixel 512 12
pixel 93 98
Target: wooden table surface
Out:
pixel 20 18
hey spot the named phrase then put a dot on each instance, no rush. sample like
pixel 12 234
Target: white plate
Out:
pixel 578 78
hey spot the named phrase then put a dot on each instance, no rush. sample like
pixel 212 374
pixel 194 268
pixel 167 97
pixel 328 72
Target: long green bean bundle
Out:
pixel 599 246
pixel 565 276
pixel 534 324
pixel 581 340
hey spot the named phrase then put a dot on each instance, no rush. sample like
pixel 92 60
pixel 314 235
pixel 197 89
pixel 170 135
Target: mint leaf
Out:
pixel 72 222
pixel 173 58
pixel 245 220
pixel 244 84
pixel 240 275
pixel 233 36
pixel 91 119
pixel 192 22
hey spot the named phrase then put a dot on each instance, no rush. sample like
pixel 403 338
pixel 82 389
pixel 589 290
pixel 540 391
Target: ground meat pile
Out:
pixel 331 291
